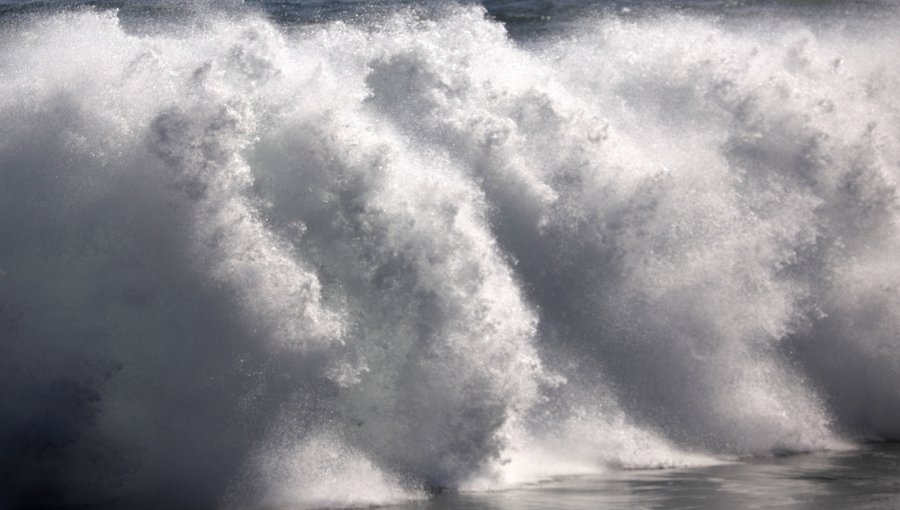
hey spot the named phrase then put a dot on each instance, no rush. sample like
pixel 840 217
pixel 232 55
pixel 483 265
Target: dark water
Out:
pixel 521 18
pixel 347 254
pixel 867 479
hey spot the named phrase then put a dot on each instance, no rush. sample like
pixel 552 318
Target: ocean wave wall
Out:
pixel 250 263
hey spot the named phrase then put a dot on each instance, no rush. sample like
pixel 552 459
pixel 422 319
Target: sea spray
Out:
pixel 245 263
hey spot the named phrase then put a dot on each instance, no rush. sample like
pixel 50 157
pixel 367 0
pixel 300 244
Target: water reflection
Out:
pixel 868 478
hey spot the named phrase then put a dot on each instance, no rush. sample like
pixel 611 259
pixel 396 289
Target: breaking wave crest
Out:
pixel 341 264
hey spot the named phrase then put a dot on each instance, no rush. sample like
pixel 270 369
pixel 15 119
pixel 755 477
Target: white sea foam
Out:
pixel 438 257
pixel 323 472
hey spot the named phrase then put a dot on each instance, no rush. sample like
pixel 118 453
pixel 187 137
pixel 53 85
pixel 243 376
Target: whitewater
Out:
pixel 254 262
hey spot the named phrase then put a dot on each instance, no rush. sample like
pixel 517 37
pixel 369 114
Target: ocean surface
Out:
pixel 866 478
pixel 505 254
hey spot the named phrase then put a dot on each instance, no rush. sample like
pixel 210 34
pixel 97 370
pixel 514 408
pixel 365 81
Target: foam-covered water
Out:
pixel 343 263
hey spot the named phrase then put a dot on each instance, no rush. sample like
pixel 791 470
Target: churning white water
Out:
pixel 341 263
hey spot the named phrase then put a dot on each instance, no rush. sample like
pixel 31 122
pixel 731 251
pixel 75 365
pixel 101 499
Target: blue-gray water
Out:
pixel 547 254
pixel 864 479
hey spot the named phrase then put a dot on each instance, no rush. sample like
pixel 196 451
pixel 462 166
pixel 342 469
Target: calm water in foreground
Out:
pixel 868 478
